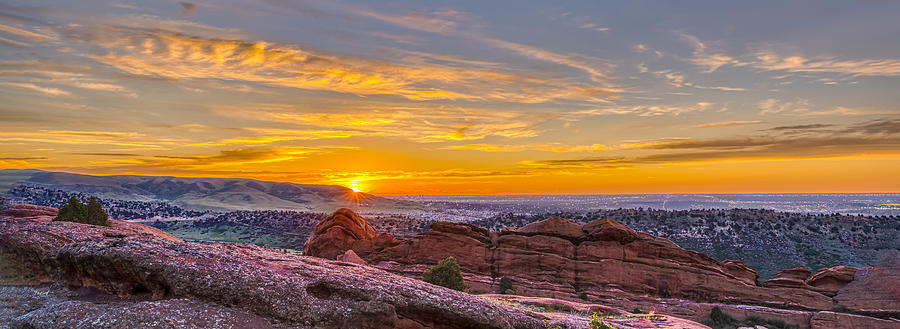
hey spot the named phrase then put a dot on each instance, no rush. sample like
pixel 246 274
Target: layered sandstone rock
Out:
pixel 350 256
pixel 606 261
pixel 189 284
pixel 873 290
pixel 556 257
pixel 830 280
pixel 833 320
pixel 27 210
pixel 335 234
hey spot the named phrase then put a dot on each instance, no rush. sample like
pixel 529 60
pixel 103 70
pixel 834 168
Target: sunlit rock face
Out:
pixel 609 262
pixel 127 274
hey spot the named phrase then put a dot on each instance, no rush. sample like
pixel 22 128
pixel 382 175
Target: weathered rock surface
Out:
pixel 741 271
pixel 606 261
pixel 572 314
pixel 58 307
pixel 27 210
pixel 833 320
pixel 351 257
pixel 335 234
pixel 873 290
pixel 789 278
pixel 830 280
pixel 229 284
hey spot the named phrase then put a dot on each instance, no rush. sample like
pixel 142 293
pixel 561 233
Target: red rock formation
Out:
pixel 829 280
pixel 555 258
pixel 789 278
pixel 132 260
pixel 873 289
pixel 351 257
pixel 28 210
pixel 335 234
pixel 832 320
pixel 607 261
pixel 741 271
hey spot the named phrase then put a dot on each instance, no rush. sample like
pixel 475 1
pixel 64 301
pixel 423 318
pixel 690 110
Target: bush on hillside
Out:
pixel 77 212
pixel 720 320
pixel 446 274
pixel 505 284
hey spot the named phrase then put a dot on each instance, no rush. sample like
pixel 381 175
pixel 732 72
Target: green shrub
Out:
pixel 505 284
pixel 547 325
pixel 720 320
pixel 445 274
pixel 596 323
pixel 77 212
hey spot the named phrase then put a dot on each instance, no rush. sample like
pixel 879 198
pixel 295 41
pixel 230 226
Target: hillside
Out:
pixel 219 194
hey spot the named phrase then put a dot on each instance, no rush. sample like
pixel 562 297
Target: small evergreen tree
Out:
pixel 77 212
pixel 72 211
pixel 95 214
pixel 446 274
pixel 505 284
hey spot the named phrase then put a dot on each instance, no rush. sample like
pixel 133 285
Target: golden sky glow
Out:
pixel 415 98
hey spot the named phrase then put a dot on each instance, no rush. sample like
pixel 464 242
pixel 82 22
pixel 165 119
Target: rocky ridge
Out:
pixel 607 262
pixel 128 275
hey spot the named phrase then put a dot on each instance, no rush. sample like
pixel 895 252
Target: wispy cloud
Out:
pixel 445 22
pixel 33 87
pixel 268 136
pixel 109 138
pixel 770 60
pixel 546 147
pixel 880 136
pixel 22 33
pixel 703 56
pixel 430 124
pixel 727 124
pixel 646 110
pixel 159 53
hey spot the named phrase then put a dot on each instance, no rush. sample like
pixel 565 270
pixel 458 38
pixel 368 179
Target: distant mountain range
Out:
pixel 203 193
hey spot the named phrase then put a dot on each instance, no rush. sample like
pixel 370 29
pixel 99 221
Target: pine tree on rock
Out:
pixel 95 213
pixel 77 212
pixel 72 211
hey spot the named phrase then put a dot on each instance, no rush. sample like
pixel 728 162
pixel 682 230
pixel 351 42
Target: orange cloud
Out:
pixel 547 147
pixel 160 53
pixel 414 123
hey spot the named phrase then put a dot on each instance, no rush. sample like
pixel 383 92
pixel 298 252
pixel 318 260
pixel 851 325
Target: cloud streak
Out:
pixel 420 124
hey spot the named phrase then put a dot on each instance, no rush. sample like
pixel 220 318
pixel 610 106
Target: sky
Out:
pixel 460 97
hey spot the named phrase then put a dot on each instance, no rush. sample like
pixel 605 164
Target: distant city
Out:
pixel 472 207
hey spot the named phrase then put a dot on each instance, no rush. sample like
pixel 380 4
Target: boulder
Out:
pixel 741 271
pixel 609 230
pixel 555 226
pixel 351 257
pixel 830 280
pixel 336 233
pixel 789 278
